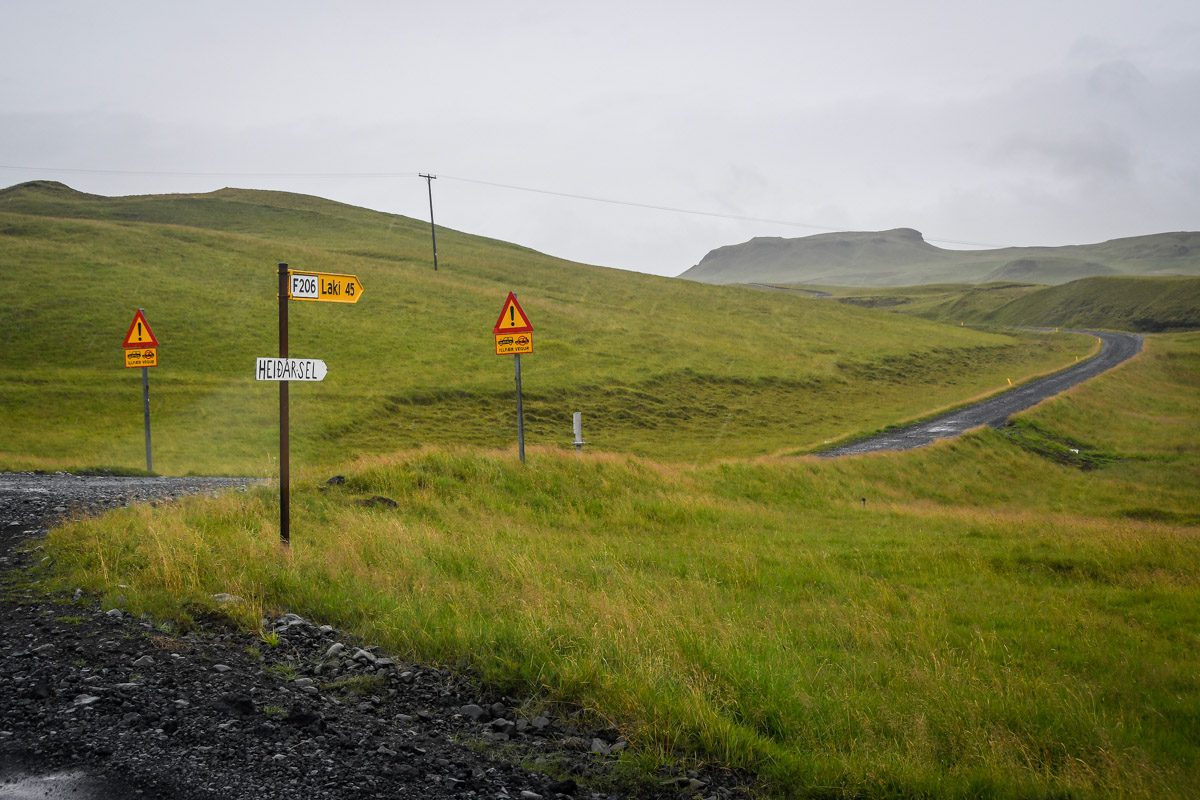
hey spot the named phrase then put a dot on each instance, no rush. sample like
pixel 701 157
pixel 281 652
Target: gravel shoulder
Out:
pixel 97 704
pixel 1115 348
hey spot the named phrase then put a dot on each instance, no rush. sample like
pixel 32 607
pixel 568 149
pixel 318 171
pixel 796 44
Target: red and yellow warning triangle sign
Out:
pixel 139 334
pixel 512 318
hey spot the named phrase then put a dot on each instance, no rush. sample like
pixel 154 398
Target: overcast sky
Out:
pixel 1000 123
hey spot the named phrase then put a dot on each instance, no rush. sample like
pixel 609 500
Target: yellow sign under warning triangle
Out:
pixel 139 335
pixel 512 318
pixel 141 358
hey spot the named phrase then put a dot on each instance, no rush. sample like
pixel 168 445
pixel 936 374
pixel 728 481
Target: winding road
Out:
pixel 1115 348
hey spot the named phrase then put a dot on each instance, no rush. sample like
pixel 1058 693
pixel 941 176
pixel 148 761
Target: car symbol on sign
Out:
pixel 505 340
pixel 522 340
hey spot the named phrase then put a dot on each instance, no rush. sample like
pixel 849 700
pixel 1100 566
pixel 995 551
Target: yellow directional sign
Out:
pixel 510 344
pixel 146 357
pixel 324 287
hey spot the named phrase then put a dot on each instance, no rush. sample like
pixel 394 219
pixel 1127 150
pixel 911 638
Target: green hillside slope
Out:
pixel 902 257
pixel 661 367
pixel 1134 304
pixel 1143 304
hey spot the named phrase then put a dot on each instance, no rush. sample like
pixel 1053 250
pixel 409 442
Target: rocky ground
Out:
pixel 95 703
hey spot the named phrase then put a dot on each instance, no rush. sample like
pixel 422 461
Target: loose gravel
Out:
pixel 95 703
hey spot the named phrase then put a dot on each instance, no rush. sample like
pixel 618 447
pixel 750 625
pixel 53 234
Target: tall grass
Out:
pixel 991 622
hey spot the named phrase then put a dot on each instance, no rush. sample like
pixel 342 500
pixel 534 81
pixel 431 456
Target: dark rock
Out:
pixel 238 704
pixel 378 501
pixel 363 656
pixel 473 712
pixel 567 786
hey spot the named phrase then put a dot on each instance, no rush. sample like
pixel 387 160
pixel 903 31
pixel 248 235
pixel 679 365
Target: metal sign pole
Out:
pixel 284 454
pixel 146 415
pixel 520 411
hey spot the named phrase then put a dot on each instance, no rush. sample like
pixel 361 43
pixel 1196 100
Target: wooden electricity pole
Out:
pixel 429 179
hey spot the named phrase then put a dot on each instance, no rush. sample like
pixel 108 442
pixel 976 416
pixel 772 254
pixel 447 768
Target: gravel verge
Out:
pixel 97 704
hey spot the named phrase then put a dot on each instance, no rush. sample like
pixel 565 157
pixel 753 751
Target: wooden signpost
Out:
pixel 514 336
pixel 321 287
pixel 141 351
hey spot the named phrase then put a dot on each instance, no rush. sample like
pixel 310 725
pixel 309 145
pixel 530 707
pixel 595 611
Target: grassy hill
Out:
pixel 902 257
pixel 979 618
pixel 1134 304
pixel 659 367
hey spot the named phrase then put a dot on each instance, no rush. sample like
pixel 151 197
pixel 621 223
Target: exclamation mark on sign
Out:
pixel 139 331
pixel 512 315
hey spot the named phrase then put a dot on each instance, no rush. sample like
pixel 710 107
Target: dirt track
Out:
pixel 1115 349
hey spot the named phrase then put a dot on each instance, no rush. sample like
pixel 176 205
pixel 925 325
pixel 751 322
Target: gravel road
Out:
pixel 95 703
pixel 1115 348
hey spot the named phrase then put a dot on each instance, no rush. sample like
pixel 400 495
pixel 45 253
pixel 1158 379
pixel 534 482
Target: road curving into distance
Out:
pixel 1115 348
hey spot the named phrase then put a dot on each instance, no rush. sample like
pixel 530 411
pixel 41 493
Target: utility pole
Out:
pixel 429 179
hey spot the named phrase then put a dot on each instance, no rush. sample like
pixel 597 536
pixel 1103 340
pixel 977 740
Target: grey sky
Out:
pixel 994 123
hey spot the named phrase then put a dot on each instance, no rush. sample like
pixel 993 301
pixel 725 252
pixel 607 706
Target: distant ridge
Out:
pixel 902 257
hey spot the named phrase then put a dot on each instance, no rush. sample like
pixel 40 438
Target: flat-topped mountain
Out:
pixel 902 257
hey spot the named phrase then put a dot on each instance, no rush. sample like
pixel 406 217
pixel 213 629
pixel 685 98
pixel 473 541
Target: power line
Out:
pixel 695 212
pixel 477 182
pixel 633 204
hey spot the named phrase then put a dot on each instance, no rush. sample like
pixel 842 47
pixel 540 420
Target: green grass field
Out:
pixel 1012 614
pixel 996 621
pixel 668 369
